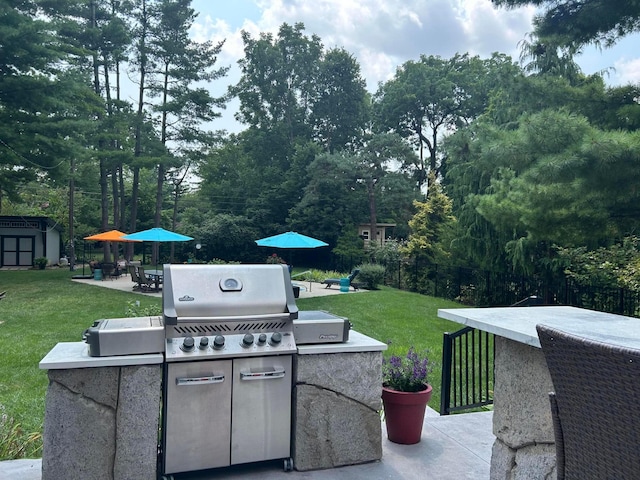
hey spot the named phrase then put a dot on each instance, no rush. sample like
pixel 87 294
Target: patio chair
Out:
pixel 121 267
pixel 142 283
pixel 594 408
pixel 336 281
pixel 153 281
pixel 108 270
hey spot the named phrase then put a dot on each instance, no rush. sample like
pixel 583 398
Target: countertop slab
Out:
pixel 357 343
pixel 519 323
pixel 67 355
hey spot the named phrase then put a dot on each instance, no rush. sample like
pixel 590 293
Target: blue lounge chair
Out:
pixel 336 281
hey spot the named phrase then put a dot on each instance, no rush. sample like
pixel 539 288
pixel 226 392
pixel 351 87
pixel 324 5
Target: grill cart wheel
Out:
pixel 288 464
pixel 166 477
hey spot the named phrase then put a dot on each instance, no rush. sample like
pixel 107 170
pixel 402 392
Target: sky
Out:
pixel 383 34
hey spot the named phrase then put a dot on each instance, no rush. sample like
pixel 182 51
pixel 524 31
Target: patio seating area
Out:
pixel 127 283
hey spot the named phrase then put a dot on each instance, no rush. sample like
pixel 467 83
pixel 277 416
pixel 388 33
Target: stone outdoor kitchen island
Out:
pixel 101 413
pixel 525 445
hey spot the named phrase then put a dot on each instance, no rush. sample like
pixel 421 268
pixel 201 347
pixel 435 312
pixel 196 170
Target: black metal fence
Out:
pixel 468 355
pixel 467 370
pixel 483 288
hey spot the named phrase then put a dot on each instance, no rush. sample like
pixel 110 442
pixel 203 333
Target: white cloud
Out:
pixel 628 71
pixel 383 34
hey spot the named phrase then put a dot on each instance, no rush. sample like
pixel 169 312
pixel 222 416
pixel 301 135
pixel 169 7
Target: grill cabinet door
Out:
pixel 197 415
pixel 261 413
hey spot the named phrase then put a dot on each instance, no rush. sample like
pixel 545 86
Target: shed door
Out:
pixel 17 251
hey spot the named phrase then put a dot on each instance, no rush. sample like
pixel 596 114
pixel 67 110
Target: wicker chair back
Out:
pixel 595 406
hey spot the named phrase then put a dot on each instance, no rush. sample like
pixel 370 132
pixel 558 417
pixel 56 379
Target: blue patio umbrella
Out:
pixel 290 240
pixel 157 235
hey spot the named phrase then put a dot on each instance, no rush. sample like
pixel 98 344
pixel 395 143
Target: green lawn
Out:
pixel 43 308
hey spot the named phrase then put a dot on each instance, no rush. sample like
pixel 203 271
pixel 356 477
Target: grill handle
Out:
pixel 276 372
pixel 207 380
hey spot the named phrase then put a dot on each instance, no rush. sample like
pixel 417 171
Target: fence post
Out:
pixel 445 395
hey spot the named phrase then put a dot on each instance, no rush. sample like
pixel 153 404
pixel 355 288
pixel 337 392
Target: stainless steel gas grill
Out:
pixel 227 377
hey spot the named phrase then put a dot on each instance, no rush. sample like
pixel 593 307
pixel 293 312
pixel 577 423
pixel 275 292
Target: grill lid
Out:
pixel 226 292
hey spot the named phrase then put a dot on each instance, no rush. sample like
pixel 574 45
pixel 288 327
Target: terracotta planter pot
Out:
pixel 404 414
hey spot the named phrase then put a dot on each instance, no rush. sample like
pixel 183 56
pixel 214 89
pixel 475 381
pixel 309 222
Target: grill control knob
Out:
pixel 262 339
pixel 247 340
pixel 218 342
pixel 276 338
pixel 204 343
pixel 187 344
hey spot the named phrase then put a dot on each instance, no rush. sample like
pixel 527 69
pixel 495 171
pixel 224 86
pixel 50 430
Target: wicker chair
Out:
pixel 595 407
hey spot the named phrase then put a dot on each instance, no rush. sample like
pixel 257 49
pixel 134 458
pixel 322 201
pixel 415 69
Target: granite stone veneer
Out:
pixel 525 446
pixel 102 423
pixel 337 410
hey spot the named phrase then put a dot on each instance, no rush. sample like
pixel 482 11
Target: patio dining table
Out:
pixel 155 275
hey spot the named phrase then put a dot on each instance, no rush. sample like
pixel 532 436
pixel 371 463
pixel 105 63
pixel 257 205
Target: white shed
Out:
pixel 22 239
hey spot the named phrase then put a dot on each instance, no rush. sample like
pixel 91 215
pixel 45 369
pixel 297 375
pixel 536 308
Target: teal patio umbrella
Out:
pixel 291 240
pixel 157 235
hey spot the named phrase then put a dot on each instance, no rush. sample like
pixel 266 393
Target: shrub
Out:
pixel 371 275
pixel 40 262
pixel 217 261
pixel 275 259
pixel 136 309
pixel 315 275
pixel 390 255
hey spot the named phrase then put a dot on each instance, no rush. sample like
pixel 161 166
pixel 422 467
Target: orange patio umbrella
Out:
pixel 110 236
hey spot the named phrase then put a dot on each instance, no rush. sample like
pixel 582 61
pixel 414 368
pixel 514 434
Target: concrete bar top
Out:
pixel 66 355
pixel 357 343
pixel 519 323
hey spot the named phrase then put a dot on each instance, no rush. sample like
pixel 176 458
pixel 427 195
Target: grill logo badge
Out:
pixel 186 298
pixel 328 336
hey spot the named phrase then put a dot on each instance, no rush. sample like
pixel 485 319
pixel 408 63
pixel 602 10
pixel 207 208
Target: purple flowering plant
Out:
pixel 406 374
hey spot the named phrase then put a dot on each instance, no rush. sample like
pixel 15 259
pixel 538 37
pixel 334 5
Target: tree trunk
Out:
pixel 122 198
pixel 138 132
pixel 373 215
pixel 160 184
pixel 134 208
pixel 72 234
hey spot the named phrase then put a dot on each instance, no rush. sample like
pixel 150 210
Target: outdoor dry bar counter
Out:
pixel 524 445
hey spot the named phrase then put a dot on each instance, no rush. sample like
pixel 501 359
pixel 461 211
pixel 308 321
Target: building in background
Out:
pixel 23 239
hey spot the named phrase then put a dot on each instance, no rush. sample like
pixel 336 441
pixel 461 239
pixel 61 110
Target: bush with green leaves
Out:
pixel 390 254
pixel 137 309
pixel 315 275
pixel 40 262
pixel 371 275
pixel 274 259
pixel 615 266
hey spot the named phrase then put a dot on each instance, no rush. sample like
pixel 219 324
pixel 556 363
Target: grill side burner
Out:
pixel 229 349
